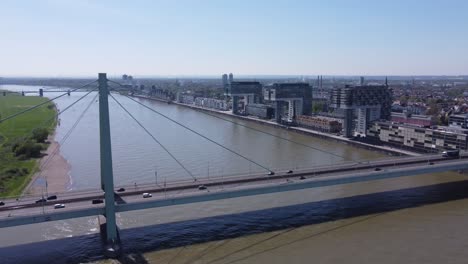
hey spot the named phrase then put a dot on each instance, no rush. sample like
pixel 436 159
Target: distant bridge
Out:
pixel 41 91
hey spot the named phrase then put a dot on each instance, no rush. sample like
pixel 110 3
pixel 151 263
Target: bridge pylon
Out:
pixel 110 236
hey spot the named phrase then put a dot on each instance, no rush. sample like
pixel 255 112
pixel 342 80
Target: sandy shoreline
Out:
pixel 56 171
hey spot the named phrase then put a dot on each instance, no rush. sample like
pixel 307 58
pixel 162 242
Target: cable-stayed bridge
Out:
pixel 25 210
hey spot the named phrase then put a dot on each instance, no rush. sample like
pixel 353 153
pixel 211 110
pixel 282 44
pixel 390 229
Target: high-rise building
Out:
pixel 225 82
pixel 367 102
pixel 225 79
pixel 289 99
pixel 231 78
pixel 250 92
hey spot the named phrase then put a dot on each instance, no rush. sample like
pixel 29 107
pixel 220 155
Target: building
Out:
pixel 260 110
pixel 320 123
pixel 211 103
pixel 186 99
pixel 231 77
pixel 289 100
pixel 460 121
pixel 362 105
pixel 410 119
pixel 418 138
pixel 224 79
pixel 242 94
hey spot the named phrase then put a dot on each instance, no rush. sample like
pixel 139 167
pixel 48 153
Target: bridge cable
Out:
pixel 67 135
pixel 154 138
pixel 61 143
pixel 270 134
pixel 60 112
pixel 43 103
pixel 273 135
pixel 199 134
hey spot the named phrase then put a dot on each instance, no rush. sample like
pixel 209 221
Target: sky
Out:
pixel 60 38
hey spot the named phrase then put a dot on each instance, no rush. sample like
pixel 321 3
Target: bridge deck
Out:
pixel 78 204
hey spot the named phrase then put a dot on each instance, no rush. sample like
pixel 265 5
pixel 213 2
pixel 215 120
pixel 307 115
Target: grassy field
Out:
pixel 16 172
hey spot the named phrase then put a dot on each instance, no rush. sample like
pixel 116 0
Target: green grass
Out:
pixel 19 127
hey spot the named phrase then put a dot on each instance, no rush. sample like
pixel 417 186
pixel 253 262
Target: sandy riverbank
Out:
pixel 54 168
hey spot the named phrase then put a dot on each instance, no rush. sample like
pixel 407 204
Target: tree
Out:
pixel 40 134
pixel 28 150
pixel 317 107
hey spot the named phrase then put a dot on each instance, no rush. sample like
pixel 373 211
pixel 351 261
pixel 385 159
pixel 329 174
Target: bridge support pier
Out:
pixel 110 236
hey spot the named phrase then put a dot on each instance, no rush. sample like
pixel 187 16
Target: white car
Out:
pixel 147 195
pixel 58 206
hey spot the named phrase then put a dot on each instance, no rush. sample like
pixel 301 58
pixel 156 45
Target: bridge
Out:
pixel 110 200
pixel 41 91
pixel 129 198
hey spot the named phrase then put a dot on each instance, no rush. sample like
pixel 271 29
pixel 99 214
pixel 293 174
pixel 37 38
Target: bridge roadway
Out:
pixel 78 203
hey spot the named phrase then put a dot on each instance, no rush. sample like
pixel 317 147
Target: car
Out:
pixel 147 195
pixel 302 178
pixel 451 153
pixel 42 200
pixel 377 169
pixel 97 201
pixel 2 203
pixel 430 163
pixel 58 206
pixel 202 187
pixel 289 172
pixel 271 173
pixel 121 190
pixel 52 197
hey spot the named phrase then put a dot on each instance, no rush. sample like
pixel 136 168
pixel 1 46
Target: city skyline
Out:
pixel 342 38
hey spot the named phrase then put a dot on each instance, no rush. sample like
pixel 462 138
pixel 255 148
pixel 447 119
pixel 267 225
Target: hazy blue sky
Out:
pixel 363 37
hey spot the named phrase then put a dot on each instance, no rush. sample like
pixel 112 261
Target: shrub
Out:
pixel 40 134
pixel 29 149
pixel 16 143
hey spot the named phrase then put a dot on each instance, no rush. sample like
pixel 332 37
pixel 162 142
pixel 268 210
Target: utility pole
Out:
pixel 156 177
pixel 107 177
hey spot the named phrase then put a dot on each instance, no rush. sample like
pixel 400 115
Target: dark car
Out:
pixel 302 178
pixel 289 172
pixel 430 163
pixel 43 200
pixel 2 203
pixel 271 173
pixel 97 201
pixel 52 197
pixel 377 169
pixel 202 187
pixel 121 190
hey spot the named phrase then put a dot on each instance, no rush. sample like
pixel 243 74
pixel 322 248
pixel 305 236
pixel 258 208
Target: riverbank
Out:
pixel 53 172
pixel 20 149
pixel 301 130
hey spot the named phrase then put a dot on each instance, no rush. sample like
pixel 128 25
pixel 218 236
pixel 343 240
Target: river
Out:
pixel 387 221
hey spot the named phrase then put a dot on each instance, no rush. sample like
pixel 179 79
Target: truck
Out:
pixel 451 153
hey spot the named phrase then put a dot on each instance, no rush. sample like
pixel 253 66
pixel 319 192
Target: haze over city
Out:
pixel 176 38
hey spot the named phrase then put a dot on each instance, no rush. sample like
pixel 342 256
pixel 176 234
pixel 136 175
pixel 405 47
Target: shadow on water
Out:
pixel 136 241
